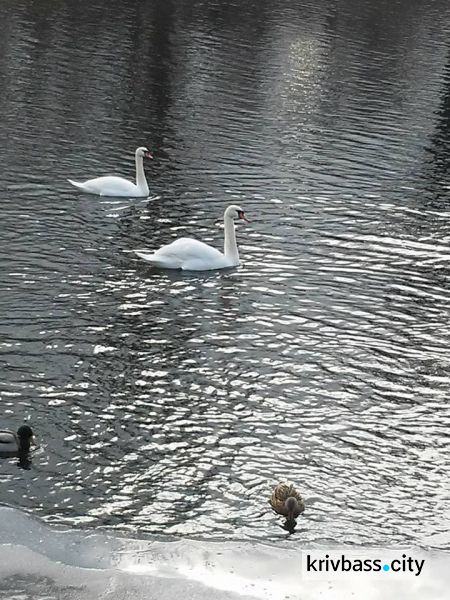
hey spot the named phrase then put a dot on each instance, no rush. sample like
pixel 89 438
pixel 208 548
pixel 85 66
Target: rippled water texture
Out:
pixel 170 403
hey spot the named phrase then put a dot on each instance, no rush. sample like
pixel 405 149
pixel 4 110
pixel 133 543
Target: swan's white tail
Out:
pixel 144 255
pixel 157 261
pixel 76 184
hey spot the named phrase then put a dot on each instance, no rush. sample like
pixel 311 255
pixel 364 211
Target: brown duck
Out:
pixel 286 501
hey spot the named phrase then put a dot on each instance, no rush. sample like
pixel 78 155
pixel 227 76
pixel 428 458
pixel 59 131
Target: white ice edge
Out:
pixel 106 566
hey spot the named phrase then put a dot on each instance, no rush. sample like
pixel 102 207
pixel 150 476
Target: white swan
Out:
pixel 191 255
pixel 118 186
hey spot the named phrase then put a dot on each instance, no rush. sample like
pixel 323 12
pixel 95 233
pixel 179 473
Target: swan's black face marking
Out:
pixel 241 215
pixel 144 152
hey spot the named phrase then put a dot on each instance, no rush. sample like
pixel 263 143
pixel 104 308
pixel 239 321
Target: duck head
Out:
pixel 25 435
pixel 293 509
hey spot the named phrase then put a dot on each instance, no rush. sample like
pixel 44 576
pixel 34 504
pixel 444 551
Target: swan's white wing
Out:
pixel 187 254
pixel 108 186
pixel 188 249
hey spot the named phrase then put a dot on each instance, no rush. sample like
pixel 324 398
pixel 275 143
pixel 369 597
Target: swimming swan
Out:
pixel 286 501
pixel 15 444
pixel 192 255
pixel 118 186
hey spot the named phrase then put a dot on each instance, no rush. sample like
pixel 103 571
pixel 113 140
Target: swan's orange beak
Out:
pixel 243 217
pixel 148 155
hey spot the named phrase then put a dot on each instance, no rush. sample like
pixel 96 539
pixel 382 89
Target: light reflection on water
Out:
pixel 172 402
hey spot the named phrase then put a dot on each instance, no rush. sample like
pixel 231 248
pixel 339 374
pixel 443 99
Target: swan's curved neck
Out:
pixel 141 181
pixel 230 246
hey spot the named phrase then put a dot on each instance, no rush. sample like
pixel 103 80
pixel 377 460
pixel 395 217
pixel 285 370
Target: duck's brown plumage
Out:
pixel 280 494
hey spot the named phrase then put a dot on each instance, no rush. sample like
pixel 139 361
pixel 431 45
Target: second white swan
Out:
pixel 118 186
pixel 191 255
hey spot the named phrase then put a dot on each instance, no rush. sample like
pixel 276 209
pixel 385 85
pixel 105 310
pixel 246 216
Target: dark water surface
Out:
pixel 171 403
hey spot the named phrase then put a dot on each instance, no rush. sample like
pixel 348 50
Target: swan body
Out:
pixel 192 255
pixel 14 444
pixel 287 501
pixel 111 185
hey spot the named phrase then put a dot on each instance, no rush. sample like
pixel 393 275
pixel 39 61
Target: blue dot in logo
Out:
pixel 386 567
